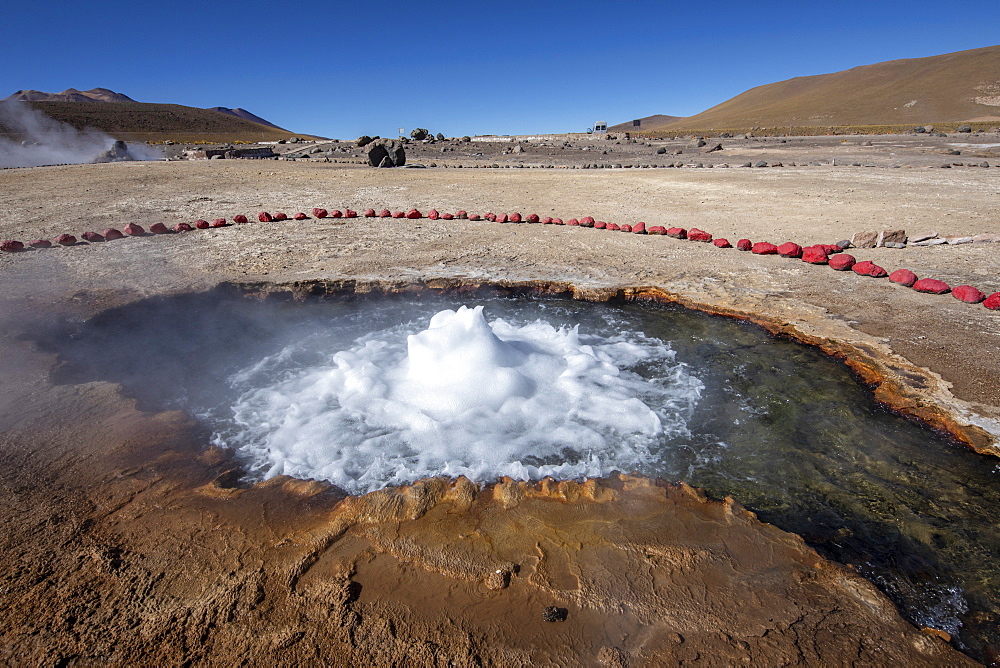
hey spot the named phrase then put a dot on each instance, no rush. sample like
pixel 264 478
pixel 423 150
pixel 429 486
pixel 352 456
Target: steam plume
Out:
pixel 46 141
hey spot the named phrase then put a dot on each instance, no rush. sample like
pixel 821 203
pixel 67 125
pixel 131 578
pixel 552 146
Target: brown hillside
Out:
pixel 141 121
pixel 646 123
pixel 959 86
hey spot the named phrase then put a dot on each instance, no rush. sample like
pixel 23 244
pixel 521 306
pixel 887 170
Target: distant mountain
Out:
pixel 70 95
pixel 646 123
pixel 243 113
pixel 953 87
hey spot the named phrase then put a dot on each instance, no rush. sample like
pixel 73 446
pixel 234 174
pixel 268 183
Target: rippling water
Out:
pixel 660 390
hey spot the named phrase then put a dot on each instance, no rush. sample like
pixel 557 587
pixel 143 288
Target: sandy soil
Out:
pixel 114 515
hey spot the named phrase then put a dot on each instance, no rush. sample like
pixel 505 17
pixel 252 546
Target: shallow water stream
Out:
pixel 655 389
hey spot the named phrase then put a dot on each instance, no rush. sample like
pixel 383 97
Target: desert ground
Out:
pixel 127 539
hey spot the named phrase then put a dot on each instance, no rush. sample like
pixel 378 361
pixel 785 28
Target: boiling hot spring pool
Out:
pixel 372 392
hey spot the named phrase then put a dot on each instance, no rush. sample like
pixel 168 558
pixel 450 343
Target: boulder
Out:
pixel 447 216
pixel 433 214
pixel 815 255
pixel 158 228
pixel 92 237
pixel 134 230
pixel 280 216
pixel 713 149
pixel 420 134
pixel 65 240
pixel 413 214
pixel 656 229
pixel 500 218
pixel 887 237
pixel 557 221
pixel 638 228
pixel 363 140
pixel 300 216
pixel 694 234
pixel 697 143
pixel 462 214
pixel 903 277
pixel 744 245
pixel 992 302
pixel 386 153
pixel 440 136
pixel 221 222
pixel 182 227
pixel 45 243
pixel 239 220
pixel 932 286
pixel 490 216
pixel 398 214
pixel 968 294
pixel 600 225
pixel 764 248
pixel 964 128
pixel 369 213
pixel 833 248
pixel 677 232
pixel 587 221
pixel 336 213
pixel 350 213
pixel 384 213
pixel 264 217
pixel 865 239
pixel 760 163
pixel 534 218
pixel 11 246
pixel 721 243
pixel 200 224
pixel 614 227
pixel 472 216
pixel 514 217
pixel 790 249
pixel 842 261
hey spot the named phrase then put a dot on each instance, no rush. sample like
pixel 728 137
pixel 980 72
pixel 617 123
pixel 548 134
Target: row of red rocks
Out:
pixel 828 254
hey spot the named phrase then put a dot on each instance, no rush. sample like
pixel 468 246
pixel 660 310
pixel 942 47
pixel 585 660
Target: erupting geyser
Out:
pixel 463 397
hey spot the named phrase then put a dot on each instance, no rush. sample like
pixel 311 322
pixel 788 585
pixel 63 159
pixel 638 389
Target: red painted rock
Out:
pixel 111 234
pixel 931 285
pixel 790 249
pixel 92 237
pixel 514 217
pixel 264 217
pixel 533 218
pixel 814 255
pixel 638 228
pixel 300 216
pixel 433 214
pixel 158 228
pixel 336 213
pixel 587 221
pixel 319 213
pixel 369 213
pixel 384 213
pixel 967 294
pixel 677 232
pixel 413 214
pixel 447 216
pixel 200 224
pixel 656 229
pixel 614 227
pixel 600 225
pixel 350 213
pixel 694 234
pixel 744 245
pixel 842 262
pixel 134 230
pixel 490 216
pixel 721 243
pixel 45 243
pixel 220 222
pixel 399 214
pixel 239 220
pixel 462 215
pixel 500 218
pixel 832 248
pixel 472 216
pixel 625 227
pixel 547 220
pixel 280 216
pixel 572 221
pixel 11 246
pixel 764 248
pixel 65 240
pixel 993 302
pixel 869 268
pixel 182 227
pixel 557 221
pixel 903 277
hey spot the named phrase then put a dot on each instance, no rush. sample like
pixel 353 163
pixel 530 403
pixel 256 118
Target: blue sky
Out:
pixel 342 69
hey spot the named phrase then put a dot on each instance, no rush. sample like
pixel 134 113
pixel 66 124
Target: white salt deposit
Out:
pixel 462 397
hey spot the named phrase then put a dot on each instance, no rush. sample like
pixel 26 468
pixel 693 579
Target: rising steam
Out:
pixel 46 141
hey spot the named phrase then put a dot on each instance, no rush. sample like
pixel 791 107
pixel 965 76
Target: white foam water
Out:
pixel 462 397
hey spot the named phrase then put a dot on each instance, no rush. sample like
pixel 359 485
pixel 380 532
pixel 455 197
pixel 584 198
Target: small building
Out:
pixel 600 126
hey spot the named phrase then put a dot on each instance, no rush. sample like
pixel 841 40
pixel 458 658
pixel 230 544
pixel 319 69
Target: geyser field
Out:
pixel 158 431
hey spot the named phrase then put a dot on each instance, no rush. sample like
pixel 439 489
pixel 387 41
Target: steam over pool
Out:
pixel 462 397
